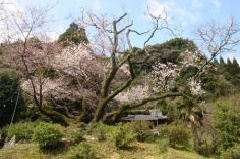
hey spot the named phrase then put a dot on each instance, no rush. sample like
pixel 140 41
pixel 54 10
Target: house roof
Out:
pixel 143 117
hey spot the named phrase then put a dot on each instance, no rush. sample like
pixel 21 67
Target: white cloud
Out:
pixel 156 8
pixel 173 10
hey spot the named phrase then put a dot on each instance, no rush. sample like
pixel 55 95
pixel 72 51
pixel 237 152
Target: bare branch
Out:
pixel 218 39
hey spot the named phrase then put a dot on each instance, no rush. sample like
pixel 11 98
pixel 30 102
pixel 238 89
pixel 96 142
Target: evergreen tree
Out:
pixel 235 67
pixel 222 61
pixel 215 61
pixel 229 61
pixel 11 100
pixel 73 35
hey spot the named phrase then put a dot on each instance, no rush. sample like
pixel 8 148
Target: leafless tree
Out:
pixel 218 38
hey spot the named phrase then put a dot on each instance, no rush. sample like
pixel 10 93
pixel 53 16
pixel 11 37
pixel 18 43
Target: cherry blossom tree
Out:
pixel 113 37
pixel 23 28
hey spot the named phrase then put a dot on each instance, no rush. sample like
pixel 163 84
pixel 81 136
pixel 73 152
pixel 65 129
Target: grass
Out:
pixel 28 151
pixel 105 150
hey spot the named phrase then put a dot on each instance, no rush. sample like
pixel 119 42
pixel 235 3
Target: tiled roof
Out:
pixel 143 117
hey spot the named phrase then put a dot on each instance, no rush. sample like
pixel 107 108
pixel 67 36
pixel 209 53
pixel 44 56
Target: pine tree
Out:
pixel 235 67
pixel 215 61
pixel 229 63
pixel 222 61
pixel 73 35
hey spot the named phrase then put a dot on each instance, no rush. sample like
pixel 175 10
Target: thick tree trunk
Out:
pixel 54 115
pixel 102 106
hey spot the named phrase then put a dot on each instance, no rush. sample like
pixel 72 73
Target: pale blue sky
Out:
pixel 186 15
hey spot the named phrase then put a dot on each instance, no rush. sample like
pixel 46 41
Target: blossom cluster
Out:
pixel 76 60
pixel 163 76
pixel 195 86
pixel 134 94
pixel 191 58
pixel 47 84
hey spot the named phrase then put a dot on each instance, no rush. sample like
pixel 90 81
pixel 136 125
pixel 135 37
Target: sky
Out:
pixel 184 15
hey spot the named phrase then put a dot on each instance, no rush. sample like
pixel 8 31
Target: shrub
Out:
pixel 232 153
pixel 178 135
pixel 141 128
pixel 22 131
pixel 141 125
pixel 141 136
pixel 101 133
pixel 76 136
pixel 147 136
pixel 206 149
pixel 3 134
pixel 82 151
pixel 10 95
pixel 227 123
pixel 124 136
pixel 48 135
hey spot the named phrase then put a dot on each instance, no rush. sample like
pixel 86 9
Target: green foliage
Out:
pixel 22 131
pixel 76 136
pixel 232 153
pixel 188 72
pixel 229 71
pixel 82 151
pixel 141 128
pixel 48 135
pixel 124 136
pixel 46 72
pixel 169 51
pixel 206 150
pixel 10 95
pixel 3 135
pixel 104 132
pixel 178 135
pixel 227 117
pixel 141 125
pixel 73 35
pixel 101 133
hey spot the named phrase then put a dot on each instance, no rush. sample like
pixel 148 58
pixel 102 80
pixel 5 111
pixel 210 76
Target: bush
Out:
pixel 3 134
pixel 22 131
pixel 76 136
pixel 124 136
pixel 48 135
pixel 82 151
pixel 101 133
pixel 141 136
pixel 178 135
pixel 227 124
pixel 141 125
pixel 206 149
pixel 10 95
pixel 147 136
pixel 232 153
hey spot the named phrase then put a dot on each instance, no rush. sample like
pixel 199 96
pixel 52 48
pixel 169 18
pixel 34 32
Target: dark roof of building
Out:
pixel 144 117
